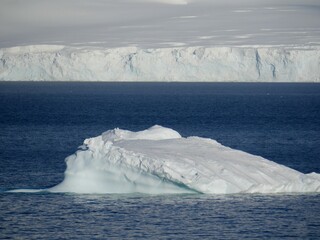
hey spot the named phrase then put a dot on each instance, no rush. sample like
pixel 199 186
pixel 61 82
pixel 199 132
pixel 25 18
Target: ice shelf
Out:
pixel 181 64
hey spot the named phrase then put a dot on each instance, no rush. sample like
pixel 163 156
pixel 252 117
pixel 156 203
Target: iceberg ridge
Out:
pixel 186 64
pixel 158 160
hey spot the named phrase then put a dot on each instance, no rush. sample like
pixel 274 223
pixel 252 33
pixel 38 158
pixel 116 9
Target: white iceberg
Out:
pixel 186 64
pixel 158 160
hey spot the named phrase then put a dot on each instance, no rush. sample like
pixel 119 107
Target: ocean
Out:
pixel 41 123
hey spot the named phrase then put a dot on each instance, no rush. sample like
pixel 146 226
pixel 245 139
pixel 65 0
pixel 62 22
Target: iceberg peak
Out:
pixel 155 132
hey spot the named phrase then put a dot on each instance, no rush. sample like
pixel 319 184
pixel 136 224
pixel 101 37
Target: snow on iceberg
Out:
pixel 187 64
pixel 159 160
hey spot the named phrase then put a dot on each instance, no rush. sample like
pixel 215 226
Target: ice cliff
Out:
pixel 158 160
pixel 208 64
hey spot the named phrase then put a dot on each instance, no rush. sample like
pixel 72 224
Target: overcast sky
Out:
pixel 158 22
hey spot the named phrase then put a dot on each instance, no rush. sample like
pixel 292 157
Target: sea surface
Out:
pixel 42 123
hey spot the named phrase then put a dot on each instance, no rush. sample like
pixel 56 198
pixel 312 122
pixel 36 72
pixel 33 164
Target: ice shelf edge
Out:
pixel 177 64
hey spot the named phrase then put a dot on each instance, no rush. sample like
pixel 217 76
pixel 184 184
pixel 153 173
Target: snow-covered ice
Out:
pixel 158 160
pixel 206 64
pixel 160 40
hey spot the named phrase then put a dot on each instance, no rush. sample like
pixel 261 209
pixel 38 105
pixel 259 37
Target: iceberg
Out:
pixel 186 64
pixel 159 160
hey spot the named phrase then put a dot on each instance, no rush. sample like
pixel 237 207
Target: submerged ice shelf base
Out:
pixel 186 64
pixel 158 160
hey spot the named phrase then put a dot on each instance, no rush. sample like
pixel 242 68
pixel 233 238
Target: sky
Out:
pixel 159 23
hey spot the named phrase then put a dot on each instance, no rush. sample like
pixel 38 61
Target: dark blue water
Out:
pixel 42 123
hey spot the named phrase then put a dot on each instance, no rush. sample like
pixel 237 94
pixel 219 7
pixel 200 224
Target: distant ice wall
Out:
pixel 186 64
